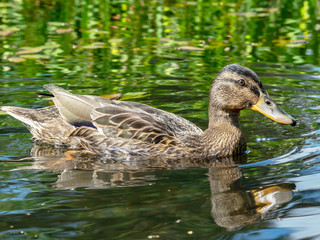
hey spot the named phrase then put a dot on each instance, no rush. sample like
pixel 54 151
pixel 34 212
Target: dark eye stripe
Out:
pixel 253 89
pixel 243 71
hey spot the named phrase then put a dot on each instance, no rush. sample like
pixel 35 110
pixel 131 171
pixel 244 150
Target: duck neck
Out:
pixel 223 136
pixel 226 117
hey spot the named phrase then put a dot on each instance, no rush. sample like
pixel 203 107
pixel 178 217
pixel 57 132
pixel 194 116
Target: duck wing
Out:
pixel 121 119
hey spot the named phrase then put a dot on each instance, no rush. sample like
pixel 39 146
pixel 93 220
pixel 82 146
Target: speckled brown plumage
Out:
pixel 119 128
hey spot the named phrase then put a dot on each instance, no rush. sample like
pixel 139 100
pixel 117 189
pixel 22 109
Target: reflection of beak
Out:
pixel 268 108
pixel 268 198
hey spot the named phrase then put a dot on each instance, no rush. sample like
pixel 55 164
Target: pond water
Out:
pixel 165 54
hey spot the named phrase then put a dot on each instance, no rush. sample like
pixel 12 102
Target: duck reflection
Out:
pixel 233 205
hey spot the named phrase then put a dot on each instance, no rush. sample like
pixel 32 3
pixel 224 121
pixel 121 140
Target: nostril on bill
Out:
pixel 268 103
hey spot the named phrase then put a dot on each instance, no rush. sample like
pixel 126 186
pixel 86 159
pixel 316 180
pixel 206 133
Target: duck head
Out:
pixel 236 88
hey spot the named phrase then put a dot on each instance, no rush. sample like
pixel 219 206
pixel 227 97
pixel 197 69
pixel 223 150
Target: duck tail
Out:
pixel 45 124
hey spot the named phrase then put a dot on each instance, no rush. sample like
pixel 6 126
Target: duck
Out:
pixel 125 129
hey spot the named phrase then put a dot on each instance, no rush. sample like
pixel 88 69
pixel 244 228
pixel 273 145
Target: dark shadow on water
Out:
pixel 233 205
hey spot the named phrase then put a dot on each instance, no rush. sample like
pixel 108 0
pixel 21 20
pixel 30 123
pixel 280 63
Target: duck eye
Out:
pixel 241 82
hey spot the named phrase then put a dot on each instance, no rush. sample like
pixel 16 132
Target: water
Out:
pixel 144 50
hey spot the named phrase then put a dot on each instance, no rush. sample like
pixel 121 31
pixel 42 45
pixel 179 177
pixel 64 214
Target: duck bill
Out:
pixel 268 108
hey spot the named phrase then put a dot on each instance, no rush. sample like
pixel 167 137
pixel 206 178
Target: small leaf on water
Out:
pixel 58 24
pixel 7 32
pixel 126 96
pixel 134 95
pixel 36 56
pixel 190 48
pixel 53 52
pixel 16 59
pixel 102 32
pixel 64 30
pixel 6 69
pixel 97 31
pixel 116 17
pixel 50 45
pixel 273 10
pixel 114 27
pixel 112 96
pixel 95 45
pixel 29 50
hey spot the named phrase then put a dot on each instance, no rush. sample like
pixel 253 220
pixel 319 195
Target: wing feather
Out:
pixel 121 119
pixel 133 126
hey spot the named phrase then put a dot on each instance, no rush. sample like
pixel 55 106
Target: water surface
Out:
pixel 167 54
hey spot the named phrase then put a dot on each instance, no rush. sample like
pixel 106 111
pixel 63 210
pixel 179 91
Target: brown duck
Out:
pixel 123 129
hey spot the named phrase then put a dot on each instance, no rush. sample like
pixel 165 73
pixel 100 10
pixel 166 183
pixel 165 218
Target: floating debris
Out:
pixel 153 236
pixel 126 96
pixel 8 31
pixel 95 45
pixel 5 33
pixel 190 48
pixel 63 30
pixel 29 50
pixel 16 59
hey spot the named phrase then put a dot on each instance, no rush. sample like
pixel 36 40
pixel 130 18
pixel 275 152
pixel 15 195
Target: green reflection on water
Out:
pixel 115 39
